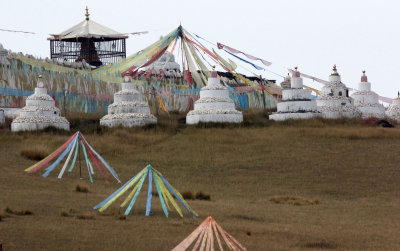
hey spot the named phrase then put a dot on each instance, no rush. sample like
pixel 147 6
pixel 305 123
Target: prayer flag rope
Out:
pixel 166 193
pixel 72 146
pixel 204 237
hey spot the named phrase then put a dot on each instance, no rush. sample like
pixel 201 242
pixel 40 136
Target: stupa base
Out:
pixel 286 116
pixel 195 117
pixel 338 115
pixel 128 120
pixel 35 123
pixel 372 112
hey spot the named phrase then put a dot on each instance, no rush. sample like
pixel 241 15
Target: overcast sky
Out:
pixel 313 34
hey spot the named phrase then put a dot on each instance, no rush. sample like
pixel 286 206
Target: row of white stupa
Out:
pixel 215 105
pixel 128 109
pixel 333 102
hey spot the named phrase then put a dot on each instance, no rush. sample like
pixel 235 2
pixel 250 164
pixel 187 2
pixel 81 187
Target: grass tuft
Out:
pixel 81 189
pixel 18 212
pixel 121 217
pixel 202 196
pixel 65 214
pixel 33 154
pixel 8 210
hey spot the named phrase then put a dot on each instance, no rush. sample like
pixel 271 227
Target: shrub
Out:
pixel 33 154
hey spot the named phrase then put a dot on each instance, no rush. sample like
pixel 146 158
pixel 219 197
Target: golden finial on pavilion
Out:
pixel 87 13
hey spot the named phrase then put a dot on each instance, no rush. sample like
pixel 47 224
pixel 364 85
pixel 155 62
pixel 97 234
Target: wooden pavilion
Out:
pixel 89 41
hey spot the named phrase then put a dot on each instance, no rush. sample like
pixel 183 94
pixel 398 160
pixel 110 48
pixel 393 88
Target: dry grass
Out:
pixel 352 168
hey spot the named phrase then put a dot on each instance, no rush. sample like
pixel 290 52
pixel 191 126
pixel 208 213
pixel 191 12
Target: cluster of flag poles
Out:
pixel 166 193
pixel 202 238
pixel 72 147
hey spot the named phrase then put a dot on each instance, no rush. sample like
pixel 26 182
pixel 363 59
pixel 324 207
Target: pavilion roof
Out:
pixel 88 29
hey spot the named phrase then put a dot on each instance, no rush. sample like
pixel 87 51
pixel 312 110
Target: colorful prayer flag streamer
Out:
pixel 70 147
pixel 204 237
pixel 166 193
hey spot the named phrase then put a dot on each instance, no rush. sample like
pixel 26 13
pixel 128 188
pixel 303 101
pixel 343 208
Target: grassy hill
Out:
pixel 295 185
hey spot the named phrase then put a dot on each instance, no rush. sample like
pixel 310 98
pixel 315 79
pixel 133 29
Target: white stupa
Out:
pixel 128 109
pixel 334 101
pixel 367 101
pixel 166 61
pixel 393 112
pixel 40 112
pixel 296 101
pixel 214 104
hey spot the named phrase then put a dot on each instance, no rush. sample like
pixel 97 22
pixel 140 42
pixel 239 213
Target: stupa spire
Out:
pixel 127 77
pixel 296 73
pixel 40 83
pixel 364 78
pixel 87 14
pixel 213 72
pixel 334 71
